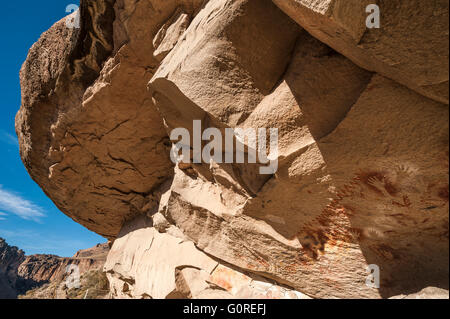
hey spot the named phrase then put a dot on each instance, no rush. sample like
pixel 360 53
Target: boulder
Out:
pixel 145 263
pixel 410 45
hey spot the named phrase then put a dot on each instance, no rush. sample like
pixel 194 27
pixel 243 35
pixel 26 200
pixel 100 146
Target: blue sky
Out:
pixel 28 218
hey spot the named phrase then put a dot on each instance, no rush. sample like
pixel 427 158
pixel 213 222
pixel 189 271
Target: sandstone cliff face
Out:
pixel 362 116
pixel 10 259
pixel 39 269
pixel 20 273
pixel 47 276
pixel 411 47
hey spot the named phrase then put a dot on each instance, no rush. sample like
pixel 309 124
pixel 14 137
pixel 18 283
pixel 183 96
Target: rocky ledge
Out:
pixel 362 119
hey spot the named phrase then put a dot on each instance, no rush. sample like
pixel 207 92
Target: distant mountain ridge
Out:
pixel 11 258
pixel 20 273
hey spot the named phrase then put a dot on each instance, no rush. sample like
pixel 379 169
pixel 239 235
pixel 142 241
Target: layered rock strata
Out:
pixel 20 273
pixel 362 165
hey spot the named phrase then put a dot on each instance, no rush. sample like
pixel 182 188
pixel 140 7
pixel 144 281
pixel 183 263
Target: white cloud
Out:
pixel 19 206
pixel 8 138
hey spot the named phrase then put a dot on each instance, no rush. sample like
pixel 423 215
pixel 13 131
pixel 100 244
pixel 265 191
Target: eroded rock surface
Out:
pixel 20 274
pixel 153 263
pixel 10 259
pixel 39 269
pixel 362 171
pixel 426 293
pixel 410 47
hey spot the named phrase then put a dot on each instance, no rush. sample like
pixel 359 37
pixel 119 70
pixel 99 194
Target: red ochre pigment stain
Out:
pixel 365 178
pixel 443 193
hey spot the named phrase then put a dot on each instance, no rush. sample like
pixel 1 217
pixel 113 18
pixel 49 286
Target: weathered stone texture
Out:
pixel 362 116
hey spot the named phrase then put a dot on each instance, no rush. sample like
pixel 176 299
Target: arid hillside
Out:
pixel 27 275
